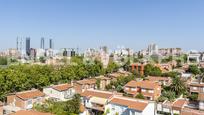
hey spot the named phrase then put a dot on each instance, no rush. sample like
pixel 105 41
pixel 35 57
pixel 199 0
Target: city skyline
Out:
pixel 90 24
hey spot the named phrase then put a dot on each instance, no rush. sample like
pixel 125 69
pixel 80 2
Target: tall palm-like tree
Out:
pixel 178 86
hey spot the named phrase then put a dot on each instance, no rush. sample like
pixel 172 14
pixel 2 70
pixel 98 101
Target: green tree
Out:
pixel 155 58
pixel 60 108
pixel 194 69
pixel 140 96
pixel 77 59
pixel 185 58
pixel 162 99
pixel 170 95
pixel 42 59
pixel 178 86
pixel 135 60
pixel 119 88
pixel 152 70
pixel 15 78
pixel 170 74
pixel 178 61
pixel 112 67
pixel 119 83
pixel 202 70
pixel 140 56
pixel 126 66
pixel 3 60
pixel 193 97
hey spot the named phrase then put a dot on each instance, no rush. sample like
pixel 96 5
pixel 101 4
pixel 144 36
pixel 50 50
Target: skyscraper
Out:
pixel 42 43
pixel 152 49
pixel 28 46
pixel 50 44
pixel 73 53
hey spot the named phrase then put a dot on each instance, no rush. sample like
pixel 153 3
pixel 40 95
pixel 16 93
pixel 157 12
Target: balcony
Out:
pixel 97 103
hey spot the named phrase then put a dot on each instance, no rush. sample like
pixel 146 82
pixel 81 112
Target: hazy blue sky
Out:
pixel 92 23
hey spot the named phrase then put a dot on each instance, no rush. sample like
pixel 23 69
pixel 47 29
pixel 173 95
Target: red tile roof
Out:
pixel 131 92
pixel 95 93
pixel 132 104
pixel 30 94
pixel 62 87
pixel 188 111
pixel 178 105
pixel 142 84
pixel 197 84
pixel 87 81
pixel 103 78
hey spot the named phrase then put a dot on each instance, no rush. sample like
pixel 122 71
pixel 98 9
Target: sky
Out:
pixel 94 23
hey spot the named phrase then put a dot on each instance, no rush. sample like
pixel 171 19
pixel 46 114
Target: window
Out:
pixel 113 109
pixel 134 89
pixel 66 94
pixel 70 91
pixel 29 102
pixel 151 91
pixel 195 88
pixel 132 112
pixel 39 99
pixel 126 88
pixel 143 90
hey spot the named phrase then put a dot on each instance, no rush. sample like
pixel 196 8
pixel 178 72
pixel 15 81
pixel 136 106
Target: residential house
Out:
pixel 186 77
pixel 189 111
pixel 178 105
pixel 62 92
pixel 164 67
pixel 196 87
pixel 96 100
pixel 125 73
pixel 115 75
pixel 150 89
pixel 82 85
pixel 118 74
pixel 172 107
pixel 104 81
pixel 201 100
pixel 129 106
pixel 161 80
pixel 201 64
pixel 26 99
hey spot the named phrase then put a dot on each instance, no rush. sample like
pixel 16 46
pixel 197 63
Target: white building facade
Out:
pixel 61 92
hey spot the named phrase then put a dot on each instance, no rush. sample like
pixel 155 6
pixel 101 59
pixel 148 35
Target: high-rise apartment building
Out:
pixel 50 43
pixel 152 49
pixel 42 43
pixel 28 46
